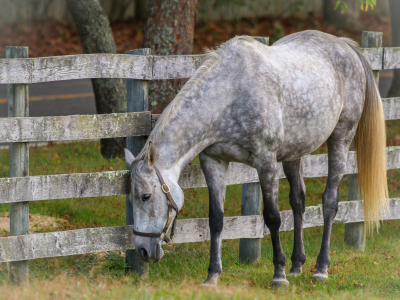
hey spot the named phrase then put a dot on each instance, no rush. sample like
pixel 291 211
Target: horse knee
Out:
pixel 216 221
pixel 272 220
pixel 330 202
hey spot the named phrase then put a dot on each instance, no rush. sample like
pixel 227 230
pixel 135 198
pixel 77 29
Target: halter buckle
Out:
pixel 167 190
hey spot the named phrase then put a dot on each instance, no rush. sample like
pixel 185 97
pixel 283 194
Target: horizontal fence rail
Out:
pixel 80 185
pixel 69 128
pixel 92 240
pixel 144 67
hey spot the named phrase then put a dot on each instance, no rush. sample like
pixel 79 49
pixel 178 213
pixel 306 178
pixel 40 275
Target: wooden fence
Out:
pixel 139 67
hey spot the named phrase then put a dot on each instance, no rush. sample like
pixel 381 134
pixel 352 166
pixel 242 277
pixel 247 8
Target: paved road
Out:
pixel 60 98
pixel 76 97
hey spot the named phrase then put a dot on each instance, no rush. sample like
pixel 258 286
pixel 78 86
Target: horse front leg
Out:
pixel 297 196
pixel 215 173
pixel 337 159
pixel 267 168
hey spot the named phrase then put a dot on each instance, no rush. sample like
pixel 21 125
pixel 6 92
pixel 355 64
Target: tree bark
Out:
pixel 349 19
pixel 169 30
pixel 96 37
pixel 394 90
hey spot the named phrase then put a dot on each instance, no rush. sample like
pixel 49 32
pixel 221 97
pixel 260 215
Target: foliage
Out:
pixel 364 4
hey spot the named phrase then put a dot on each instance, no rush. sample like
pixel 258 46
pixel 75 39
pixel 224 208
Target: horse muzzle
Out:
pixel 149 249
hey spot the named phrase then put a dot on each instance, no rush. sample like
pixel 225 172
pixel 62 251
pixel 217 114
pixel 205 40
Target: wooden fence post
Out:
pixel 250 249
pixel 137 101
pixel 354 232
pixel 18 106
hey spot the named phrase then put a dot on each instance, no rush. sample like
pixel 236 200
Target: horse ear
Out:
pixel 129 157
pixel 151 154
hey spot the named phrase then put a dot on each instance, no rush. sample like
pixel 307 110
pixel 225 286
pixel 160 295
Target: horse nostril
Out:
pixel 144 254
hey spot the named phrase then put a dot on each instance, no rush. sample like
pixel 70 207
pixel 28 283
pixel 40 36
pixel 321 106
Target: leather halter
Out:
pixel 171 206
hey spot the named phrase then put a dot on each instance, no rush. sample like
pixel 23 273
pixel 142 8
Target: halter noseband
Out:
pixel 171 206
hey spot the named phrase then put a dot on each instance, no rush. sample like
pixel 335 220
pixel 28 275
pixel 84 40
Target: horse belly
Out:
pixel 306 132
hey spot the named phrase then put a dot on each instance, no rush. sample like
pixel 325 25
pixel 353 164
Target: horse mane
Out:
pixel 212 56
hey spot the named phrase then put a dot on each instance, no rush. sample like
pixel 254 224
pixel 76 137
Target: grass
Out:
pixel 374 273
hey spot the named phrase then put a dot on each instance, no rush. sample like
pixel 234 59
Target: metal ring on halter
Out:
pixel 165 191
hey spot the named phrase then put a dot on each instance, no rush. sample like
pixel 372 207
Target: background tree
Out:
pixel 394 90
pixel 169 30
pixel 96 37
pixel 342 14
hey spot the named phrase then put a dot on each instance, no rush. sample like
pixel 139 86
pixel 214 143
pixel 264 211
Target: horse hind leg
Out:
pixel 215 172
pixel 294 174
pixel 267 168
pixel 337 159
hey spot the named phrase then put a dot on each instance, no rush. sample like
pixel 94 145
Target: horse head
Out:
pixel 156 200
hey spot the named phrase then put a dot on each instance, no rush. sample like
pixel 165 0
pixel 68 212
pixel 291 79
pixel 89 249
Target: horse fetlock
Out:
pixel 296 269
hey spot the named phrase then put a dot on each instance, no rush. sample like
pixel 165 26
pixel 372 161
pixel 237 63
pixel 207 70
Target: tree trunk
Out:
pixel 349 19
pixel 394 90
pixel 96 37
pixel 169 30
pixel 141 9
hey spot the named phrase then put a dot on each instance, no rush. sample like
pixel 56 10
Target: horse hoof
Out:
pixel 293 274
pixel 211 282
pixel 320 277
pixel 279 283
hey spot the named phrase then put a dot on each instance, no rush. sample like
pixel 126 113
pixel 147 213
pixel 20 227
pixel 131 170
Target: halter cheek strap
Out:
pixel 171 206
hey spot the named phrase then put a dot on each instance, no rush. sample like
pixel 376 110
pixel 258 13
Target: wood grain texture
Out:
pixel 374 57
pixel 56 68
pixel 116 125
pixel 47 187
pixel 18 106
pixel 78 127
pixel 391 108
pixel 392 58
pixel 81 241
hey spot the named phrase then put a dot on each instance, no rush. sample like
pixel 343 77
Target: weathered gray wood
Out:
pixel 17 71
pixel 391 108
pixel 392 58
pixel 137 101
pixel 354 233
pixel 55 68
pixel 18 106
pixel 102 126
pixel 47 187
pixel 250 248
pixel 81 241
pixel 176 66
pixel 79 127
pixel 373 55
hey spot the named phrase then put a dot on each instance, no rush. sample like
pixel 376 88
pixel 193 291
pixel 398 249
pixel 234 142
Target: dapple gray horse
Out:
pixel 261 105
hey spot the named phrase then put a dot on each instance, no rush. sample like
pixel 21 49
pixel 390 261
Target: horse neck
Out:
pixel 184 136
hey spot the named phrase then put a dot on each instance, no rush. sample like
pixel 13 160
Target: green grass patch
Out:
pixel 373 273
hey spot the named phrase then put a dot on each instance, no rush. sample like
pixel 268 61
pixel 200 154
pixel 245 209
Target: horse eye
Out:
pixel 146 197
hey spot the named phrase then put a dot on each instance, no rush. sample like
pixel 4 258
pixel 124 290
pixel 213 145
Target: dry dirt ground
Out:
pixel 37 223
